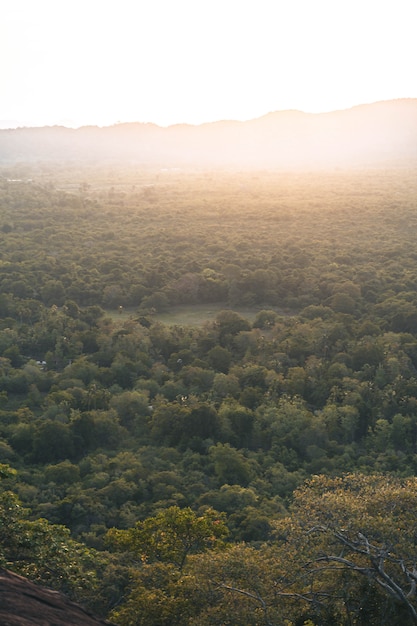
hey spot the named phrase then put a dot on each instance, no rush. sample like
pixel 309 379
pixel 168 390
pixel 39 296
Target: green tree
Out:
pixel 230 465
pixel 52 441
pixel 219 359
pixel 44 552
pixel 355 536
pixel 132 408
pixel 230 324
pixel 171 536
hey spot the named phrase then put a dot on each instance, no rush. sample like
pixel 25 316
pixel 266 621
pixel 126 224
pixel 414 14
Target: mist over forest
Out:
pixel 208 369
pixel 383 133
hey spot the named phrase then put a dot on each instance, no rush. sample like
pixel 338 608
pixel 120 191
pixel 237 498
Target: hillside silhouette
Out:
pixel 379 134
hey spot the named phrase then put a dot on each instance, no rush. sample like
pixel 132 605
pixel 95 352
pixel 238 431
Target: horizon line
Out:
pixel 16 125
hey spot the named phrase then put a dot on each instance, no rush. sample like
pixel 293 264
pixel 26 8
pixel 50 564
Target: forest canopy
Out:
pixel 253 466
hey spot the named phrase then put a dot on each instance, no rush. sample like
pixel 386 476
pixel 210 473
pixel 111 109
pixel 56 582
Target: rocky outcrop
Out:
pixel 22 603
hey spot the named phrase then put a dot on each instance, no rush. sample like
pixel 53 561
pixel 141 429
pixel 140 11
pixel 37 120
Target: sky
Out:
pixel 81 62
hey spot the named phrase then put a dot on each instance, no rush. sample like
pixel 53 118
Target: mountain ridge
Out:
pixel 384 132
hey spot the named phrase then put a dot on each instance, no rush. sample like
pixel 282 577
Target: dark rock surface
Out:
pixel 22 603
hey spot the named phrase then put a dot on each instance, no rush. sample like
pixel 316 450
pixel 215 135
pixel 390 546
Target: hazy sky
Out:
pixel 77 62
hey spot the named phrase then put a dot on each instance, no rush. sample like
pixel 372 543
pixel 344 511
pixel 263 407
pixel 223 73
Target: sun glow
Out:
pixel 188 61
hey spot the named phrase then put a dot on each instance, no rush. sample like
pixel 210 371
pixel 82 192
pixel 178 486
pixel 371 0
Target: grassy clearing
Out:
pixel 189 314
pixel 198 314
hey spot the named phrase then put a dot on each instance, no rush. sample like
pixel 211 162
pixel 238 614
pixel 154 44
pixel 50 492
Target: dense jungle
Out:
pixel 208 392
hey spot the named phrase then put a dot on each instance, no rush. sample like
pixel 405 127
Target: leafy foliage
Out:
pixel 45 552
pixel 171 535
pixel 123 427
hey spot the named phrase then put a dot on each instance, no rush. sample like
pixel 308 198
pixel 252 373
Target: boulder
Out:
pixel 22 603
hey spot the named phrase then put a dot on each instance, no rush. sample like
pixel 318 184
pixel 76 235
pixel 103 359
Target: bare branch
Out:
pixel 347 564
pixel 376 556
pixel 253 596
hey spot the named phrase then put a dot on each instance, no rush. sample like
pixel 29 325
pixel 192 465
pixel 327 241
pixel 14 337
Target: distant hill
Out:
pixel 379 134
